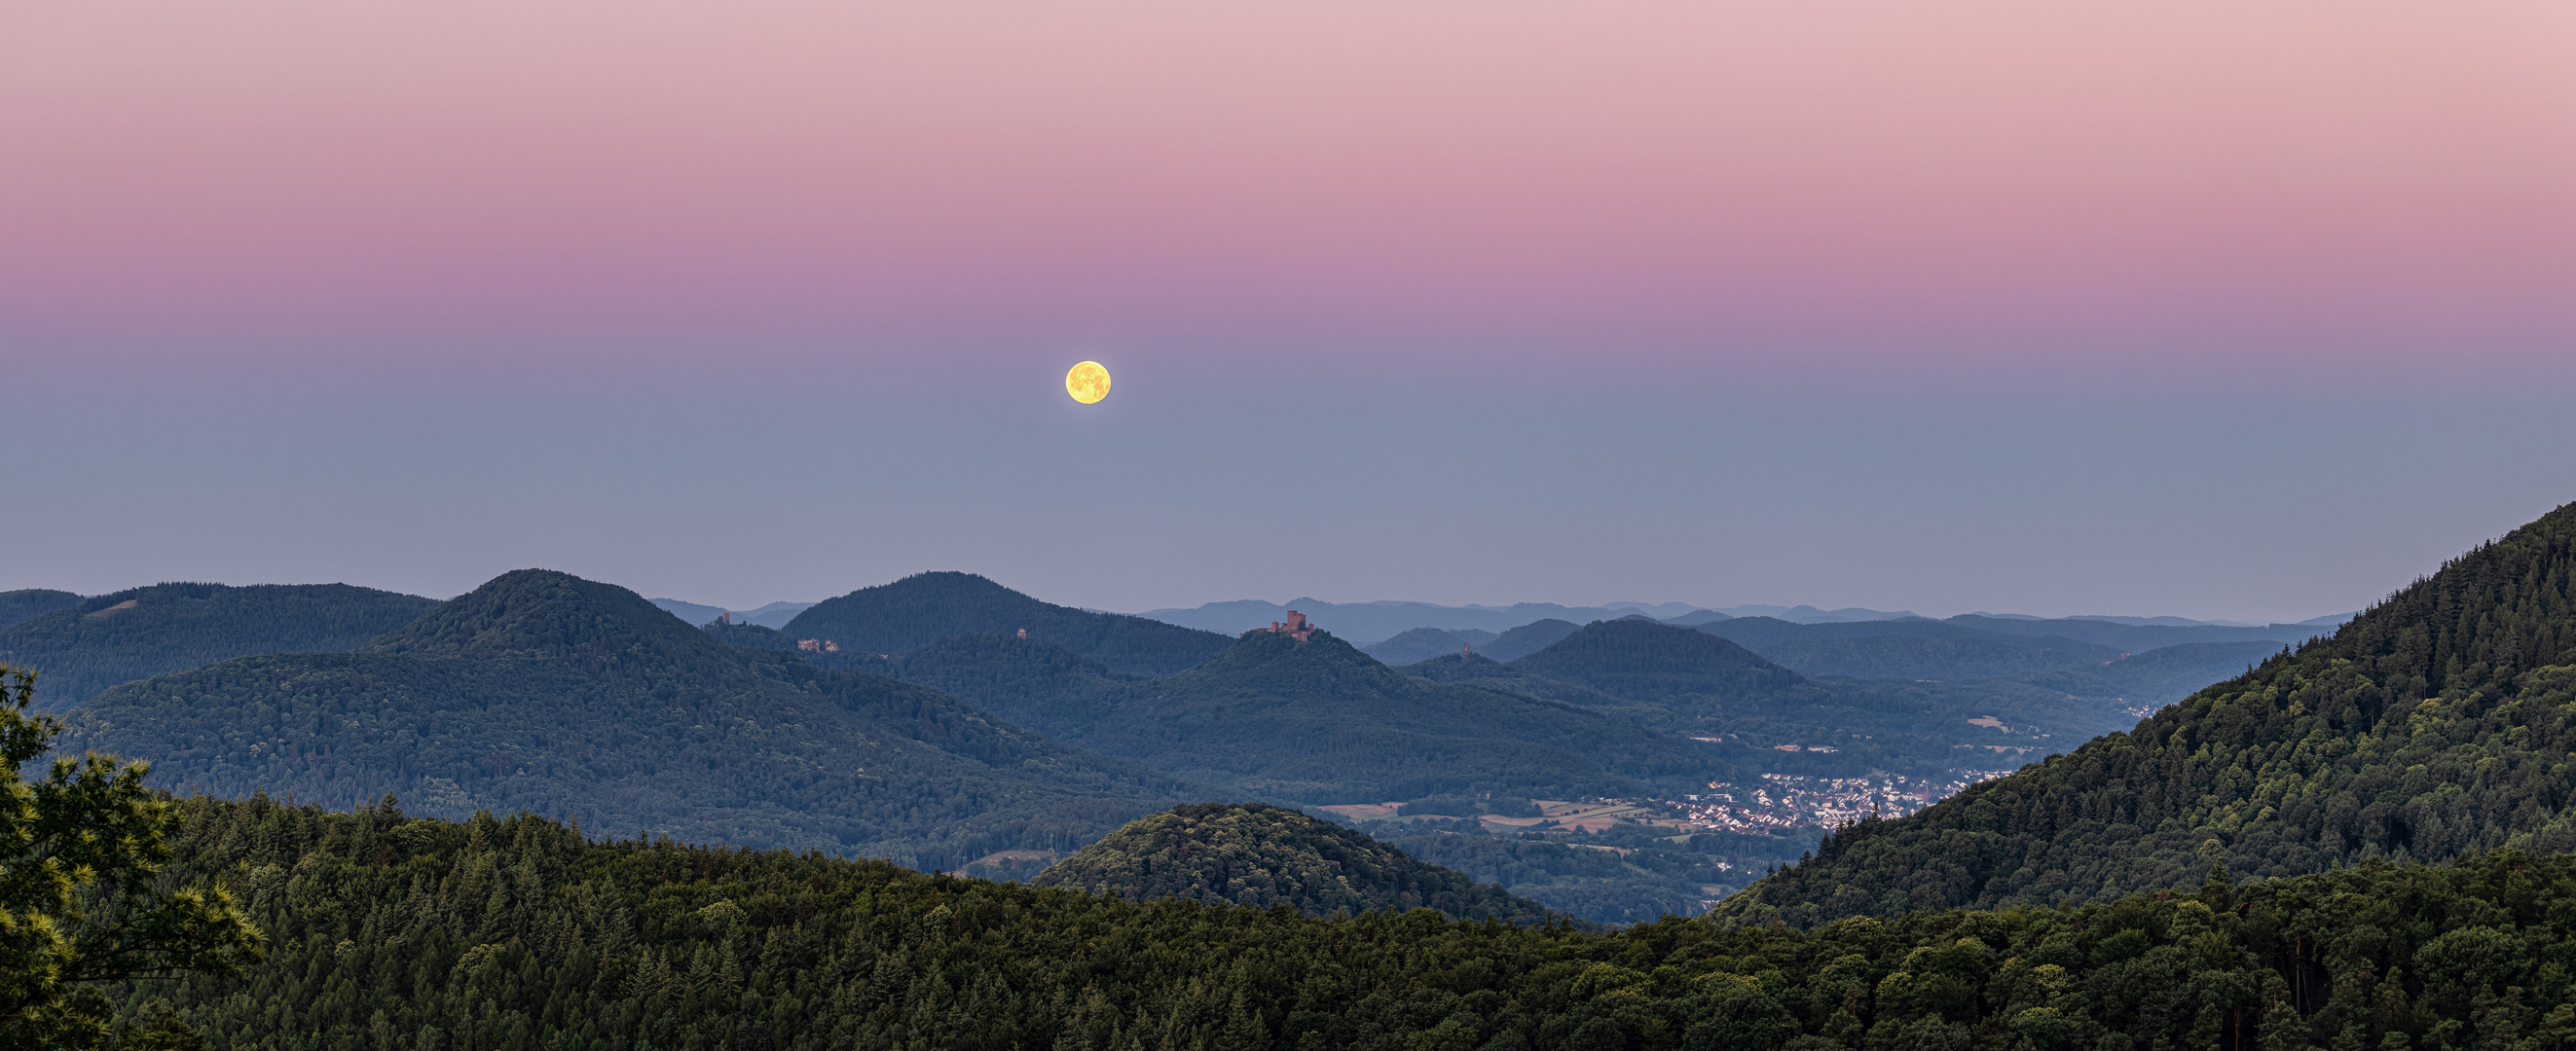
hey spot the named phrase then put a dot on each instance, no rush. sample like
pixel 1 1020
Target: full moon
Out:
pixel 1087 382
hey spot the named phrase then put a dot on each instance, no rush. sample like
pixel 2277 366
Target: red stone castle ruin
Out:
pixel 1294 627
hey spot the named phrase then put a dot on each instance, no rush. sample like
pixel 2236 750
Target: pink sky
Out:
pixel 1976 180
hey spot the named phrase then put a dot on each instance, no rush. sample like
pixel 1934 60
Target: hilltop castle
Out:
pixel 1294 627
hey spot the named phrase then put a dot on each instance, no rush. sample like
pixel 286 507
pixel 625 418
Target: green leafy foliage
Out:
pixel 81 904
pixel 109 639
pixel 1313 721
pixel 927 607
pixel 395 934
pixel 561 696
pixel 2436 725
pixel 1256 856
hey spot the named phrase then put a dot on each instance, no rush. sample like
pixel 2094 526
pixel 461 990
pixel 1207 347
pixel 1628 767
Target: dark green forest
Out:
pixel 86 647
pixel 564 697
pixel 1313 721
pixel 2436 725
pixel 927 607
pixel 1528 639
pixel 23 603
pixel 1897 727
pixel 390 933
pixel 1256 856
pixel 1622 876
pixel 1425 643
pixel 1642 661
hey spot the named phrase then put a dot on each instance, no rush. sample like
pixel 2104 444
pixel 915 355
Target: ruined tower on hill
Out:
pixel 1295 627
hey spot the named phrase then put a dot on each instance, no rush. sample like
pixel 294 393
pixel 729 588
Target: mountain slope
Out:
pixel 927 607
pixel 1527 639
pixel 1256 856
pixel 1645 661
pixel 1678 681
pixel 1422 644
pixel 1026 678
pixel 2138 638
pixel 2437 724
pixel 563 696
pixel 384 930
pixel 1378 621
pixel 23 603
pixel 1314 721
pixel 1902 657
pixel 108 639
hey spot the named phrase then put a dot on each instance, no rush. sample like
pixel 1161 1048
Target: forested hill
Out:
pixel 1527 639
pixel 1914 648
pixel 101 641
pixel 927 607
pixel 1257 856
pixel 1641 660
pixel 562 696
pixel 2436 724
pixel 1686 683
pixel 395 934
pixel 1313 721
pixel 21 604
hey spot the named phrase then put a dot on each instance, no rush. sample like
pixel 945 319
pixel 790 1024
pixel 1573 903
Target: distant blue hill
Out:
pixel 773 615
pixel 1374 622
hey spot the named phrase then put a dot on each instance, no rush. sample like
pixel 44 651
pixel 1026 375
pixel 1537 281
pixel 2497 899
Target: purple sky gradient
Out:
pixel 2201 309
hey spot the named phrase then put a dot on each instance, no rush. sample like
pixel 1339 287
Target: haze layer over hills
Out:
pixel 2436 724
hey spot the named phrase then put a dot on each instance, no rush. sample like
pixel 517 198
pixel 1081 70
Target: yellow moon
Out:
pixel 1087 382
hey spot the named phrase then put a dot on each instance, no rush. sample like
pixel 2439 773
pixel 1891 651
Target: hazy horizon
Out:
pixel 1888 306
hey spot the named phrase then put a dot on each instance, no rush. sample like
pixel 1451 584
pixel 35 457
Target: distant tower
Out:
pixel 1294 627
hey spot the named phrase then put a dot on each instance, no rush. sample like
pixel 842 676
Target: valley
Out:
pixel 1728 795
pixel 948 722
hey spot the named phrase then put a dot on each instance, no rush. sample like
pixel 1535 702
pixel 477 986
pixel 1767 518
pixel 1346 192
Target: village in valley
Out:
pixel 1776 803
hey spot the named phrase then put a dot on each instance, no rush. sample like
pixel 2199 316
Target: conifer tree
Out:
pixel 79 902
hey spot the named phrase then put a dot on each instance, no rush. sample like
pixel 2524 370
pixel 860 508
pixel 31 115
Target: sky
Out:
pixel 2198 308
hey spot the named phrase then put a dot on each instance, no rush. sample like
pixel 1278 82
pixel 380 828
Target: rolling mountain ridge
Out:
pixel 23 603
pixel 2435 725
pixel 1314 721
pixel 928 607
pixel 79 649
pixel 562 696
